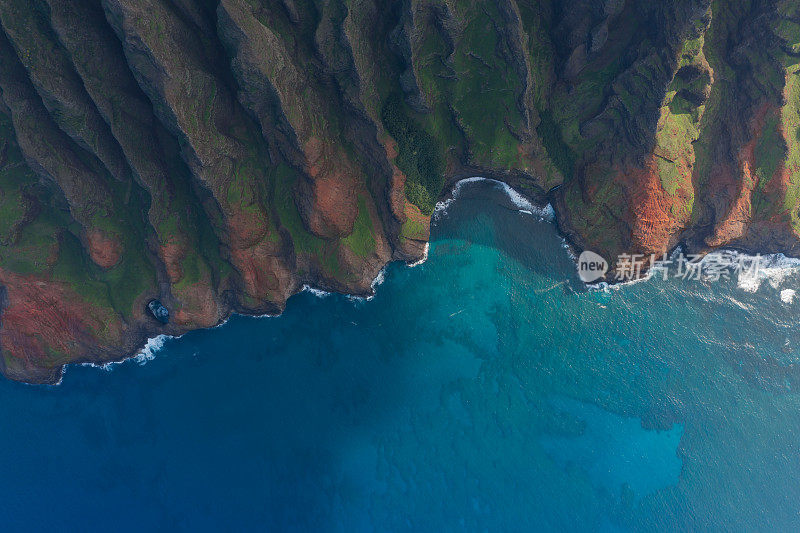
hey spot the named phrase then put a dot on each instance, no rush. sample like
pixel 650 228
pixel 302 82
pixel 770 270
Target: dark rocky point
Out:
pixel 158 311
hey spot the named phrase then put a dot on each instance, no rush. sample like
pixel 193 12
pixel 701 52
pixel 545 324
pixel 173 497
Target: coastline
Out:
pixel 149 345
pixel 538 205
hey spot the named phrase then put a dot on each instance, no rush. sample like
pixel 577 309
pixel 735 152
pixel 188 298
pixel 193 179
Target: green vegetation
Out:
pixel 14 175
pixel 791 128
pixel 770 152
pixel 419 156
pixel 192 268
pixel 45 244
pixel 468 74
pixel 789 30
pixel 564 106
pixel 254 98
pixel 361 241
pixel 536 20
pixel 242 194
pixel 77 270
pixel 485 97
pixel 591 219
pixel 563 156
pixel 30 253
pixel 413 229
pixel 304 242
pixel 675 135
pixel 679 124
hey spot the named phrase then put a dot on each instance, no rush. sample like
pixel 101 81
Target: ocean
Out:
pixel 486 389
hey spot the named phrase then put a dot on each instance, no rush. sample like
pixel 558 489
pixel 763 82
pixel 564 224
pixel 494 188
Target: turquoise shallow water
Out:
pixel 482 390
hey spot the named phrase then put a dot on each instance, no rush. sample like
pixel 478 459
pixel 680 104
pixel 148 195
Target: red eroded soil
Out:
pixel 198 306
pixel 741 184
pixel 104 250
pixel 259 267
pixel 334 203
pixel 254 256
pixel 172 254
pixel 246 228
pixel 650 208
pixel 735 222
pixel 198 303
pixel 43 315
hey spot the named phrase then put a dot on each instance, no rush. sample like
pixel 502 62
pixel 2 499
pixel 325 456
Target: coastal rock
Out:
pixel 217 156
pixel 158 311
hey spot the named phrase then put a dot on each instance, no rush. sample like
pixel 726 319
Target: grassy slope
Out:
pixel 789 31
pixel 678 126
pixel 42 243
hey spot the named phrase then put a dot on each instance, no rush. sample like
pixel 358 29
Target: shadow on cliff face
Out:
pixel 3 304
pixel 482 213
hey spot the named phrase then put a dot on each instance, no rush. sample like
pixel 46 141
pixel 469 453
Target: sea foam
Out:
pixel 142 357
pixel 150 349
pixel 773 268
pixel 423 258
pixel 319 293
pixel 522 204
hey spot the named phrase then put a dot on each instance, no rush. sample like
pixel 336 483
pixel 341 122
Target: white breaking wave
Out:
pixel 773 268
pixel 523 204
pixel 151 347
pixel 319 293
pixel 378 281
pixel 142 357
pixel 570 252
pixel 441 207
pixel 423 258
pixel 548 213
pixel 605 286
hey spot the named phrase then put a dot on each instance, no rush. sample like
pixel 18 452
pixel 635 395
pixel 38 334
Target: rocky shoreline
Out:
pixel 218 156
pixel 539 202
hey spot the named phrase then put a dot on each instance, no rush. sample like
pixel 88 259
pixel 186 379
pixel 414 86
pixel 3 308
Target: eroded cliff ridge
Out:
pixel 217 155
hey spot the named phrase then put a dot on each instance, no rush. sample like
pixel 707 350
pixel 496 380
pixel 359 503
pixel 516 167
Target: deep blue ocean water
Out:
pixel 485 390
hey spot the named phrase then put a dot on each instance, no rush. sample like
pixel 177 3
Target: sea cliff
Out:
pixel 219 155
